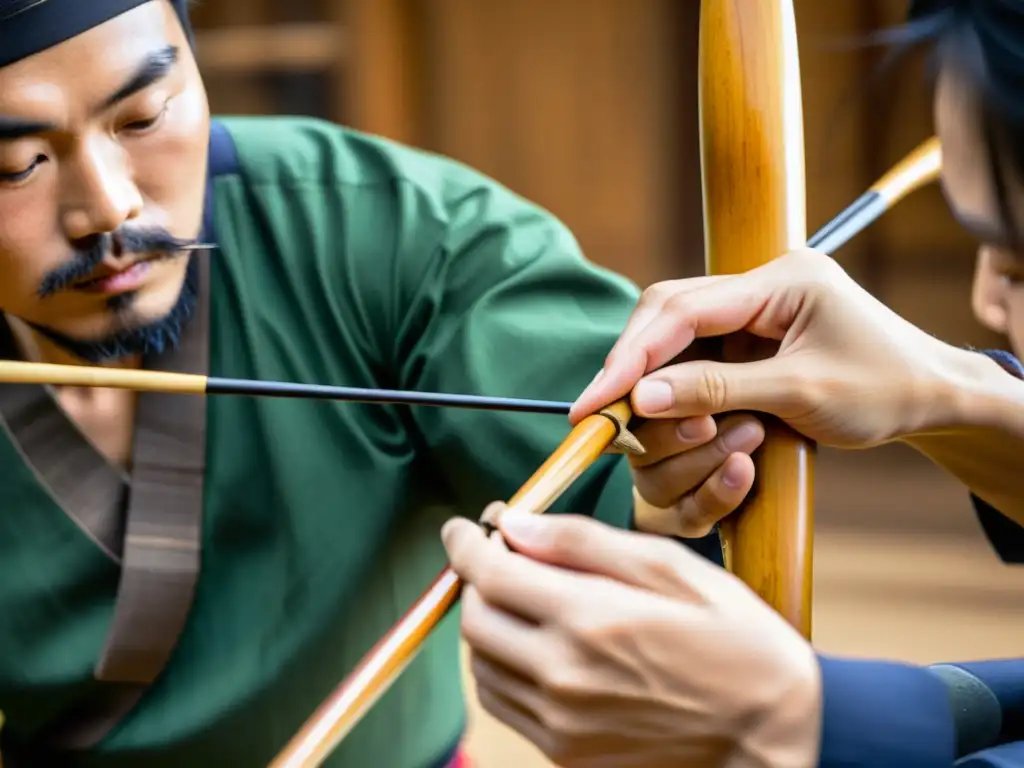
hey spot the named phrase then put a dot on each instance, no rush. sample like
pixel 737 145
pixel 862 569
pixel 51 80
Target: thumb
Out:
pixel 705 388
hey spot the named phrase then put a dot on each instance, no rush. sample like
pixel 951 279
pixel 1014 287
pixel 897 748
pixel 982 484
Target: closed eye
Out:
pixel 139 126
pixel 12 177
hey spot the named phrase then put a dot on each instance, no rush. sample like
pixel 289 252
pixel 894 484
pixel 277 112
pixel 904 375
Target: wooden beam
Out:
pixel 380 78
pixel 285 47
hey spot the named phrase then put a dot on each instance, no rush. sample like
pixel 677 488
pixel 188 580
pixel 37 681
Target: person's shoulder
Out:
pixel 297 150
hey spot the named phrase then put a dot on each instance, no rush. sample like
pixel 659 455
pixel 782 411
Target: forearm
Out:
pixel 975 429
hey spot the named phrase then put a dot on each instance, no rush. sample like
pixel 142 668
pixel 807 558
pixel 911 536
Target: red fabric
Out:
pixel 461 761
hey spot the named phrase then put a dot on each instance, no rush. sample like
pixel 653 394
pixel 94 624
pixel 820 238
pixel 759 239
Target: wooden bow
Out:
pixel 752 170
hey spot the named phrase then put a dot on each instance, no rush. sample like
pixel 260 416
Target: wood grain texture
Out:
pixel 752 168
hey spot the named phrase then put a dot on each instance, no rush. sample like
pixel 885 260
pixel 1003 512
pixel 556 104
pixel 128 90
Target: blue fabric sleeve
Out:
pixel 880 714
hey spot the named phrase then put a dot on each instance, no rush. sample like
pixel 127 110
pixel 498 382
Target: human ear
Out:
pixel 988 295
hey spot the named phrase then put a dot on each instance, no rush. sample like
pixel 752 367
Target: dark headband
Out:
pixel 30 26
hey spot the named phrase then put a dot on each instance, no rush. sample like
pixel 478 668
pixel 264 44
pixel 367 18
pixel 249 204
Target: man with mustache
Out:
pixel 182 581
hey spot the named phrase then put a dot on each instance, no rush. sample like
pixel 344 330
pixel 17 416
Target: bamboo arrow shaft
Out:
pixel 16 372
pixel 356 695
pixel 920 167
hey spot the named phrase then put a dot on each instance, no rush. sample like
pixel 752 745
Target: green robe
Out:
pixel 344 259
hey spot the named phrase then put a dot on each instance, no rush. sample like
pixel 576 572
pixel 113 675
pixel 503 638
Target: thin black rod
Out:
pixel 851 221
pixel 220 386
pixel 832 236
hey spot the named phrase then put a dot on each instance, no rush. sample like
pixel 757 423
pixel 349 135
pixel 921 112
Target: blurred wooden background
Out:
pixel 589 108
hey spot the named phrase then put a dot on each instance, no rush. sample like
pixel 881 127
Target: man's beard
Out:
pixel 129 336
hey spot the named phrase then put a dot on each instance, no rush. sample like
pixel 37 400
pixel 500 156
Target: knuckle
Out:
pixel 569 533
pixel 489 702
pixel 721 449
pixel 677 304
pixel 657 294
pixel 472 605
pixel 712 390
pixel 654 294
pixel 651 487
pixel 560 679
pixel 818 268
pixel 487 580
pixel 660 569
pixel 705 511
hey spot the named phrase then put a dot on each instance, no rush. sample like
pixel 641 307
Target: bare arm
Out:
pixel 978 431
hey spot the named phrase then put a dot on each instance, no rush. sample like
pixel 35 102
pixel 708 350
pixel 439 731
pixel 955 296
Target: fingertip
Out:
pixel 594 399
pixel 622 370
pixel 524 529
pixel 448 530
pixel 456 528
pixel 737 474
pixel 697 430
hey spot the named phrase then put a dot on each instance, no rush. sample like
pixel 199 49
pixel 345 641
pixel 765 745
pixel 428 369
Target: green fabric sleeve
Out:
pixel 503 302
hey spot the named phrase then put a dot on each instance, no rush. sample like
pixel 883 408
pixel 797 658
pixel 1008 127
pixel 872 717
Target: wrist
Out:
pixel 965 390
pixel 788 733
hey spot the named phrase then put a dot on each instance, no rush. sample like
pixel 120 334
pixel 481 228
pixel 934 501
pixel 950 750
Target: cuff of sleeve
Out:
pixel 884 715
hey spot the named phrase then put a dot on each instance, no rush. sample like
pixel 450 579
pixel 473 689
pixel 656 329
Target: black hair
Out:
pixel 181 8
pixel 984 41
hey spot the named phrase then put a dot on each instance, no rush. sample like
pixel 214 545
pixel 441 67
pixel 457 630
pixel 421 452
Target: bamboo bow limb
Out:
pixel 752 168
pixel 385 662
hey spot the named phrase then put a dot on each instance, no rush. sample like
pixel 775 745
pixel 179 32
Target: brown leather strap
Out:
pixel 88 489
pixel 165 513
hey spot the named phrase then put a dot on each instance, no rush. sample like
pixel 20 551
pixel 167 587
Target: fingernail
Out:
pixel 652 396
pixel 593 381
pixel 690 430
pixel 589 386
pixel 446 531
pixel 523 527
pixel 731 478
pixel 745 437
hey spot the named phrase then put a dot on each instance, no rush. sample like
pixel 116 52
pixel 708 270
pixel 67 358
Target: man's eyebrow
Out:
pixel 154 67
pixel 13 128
